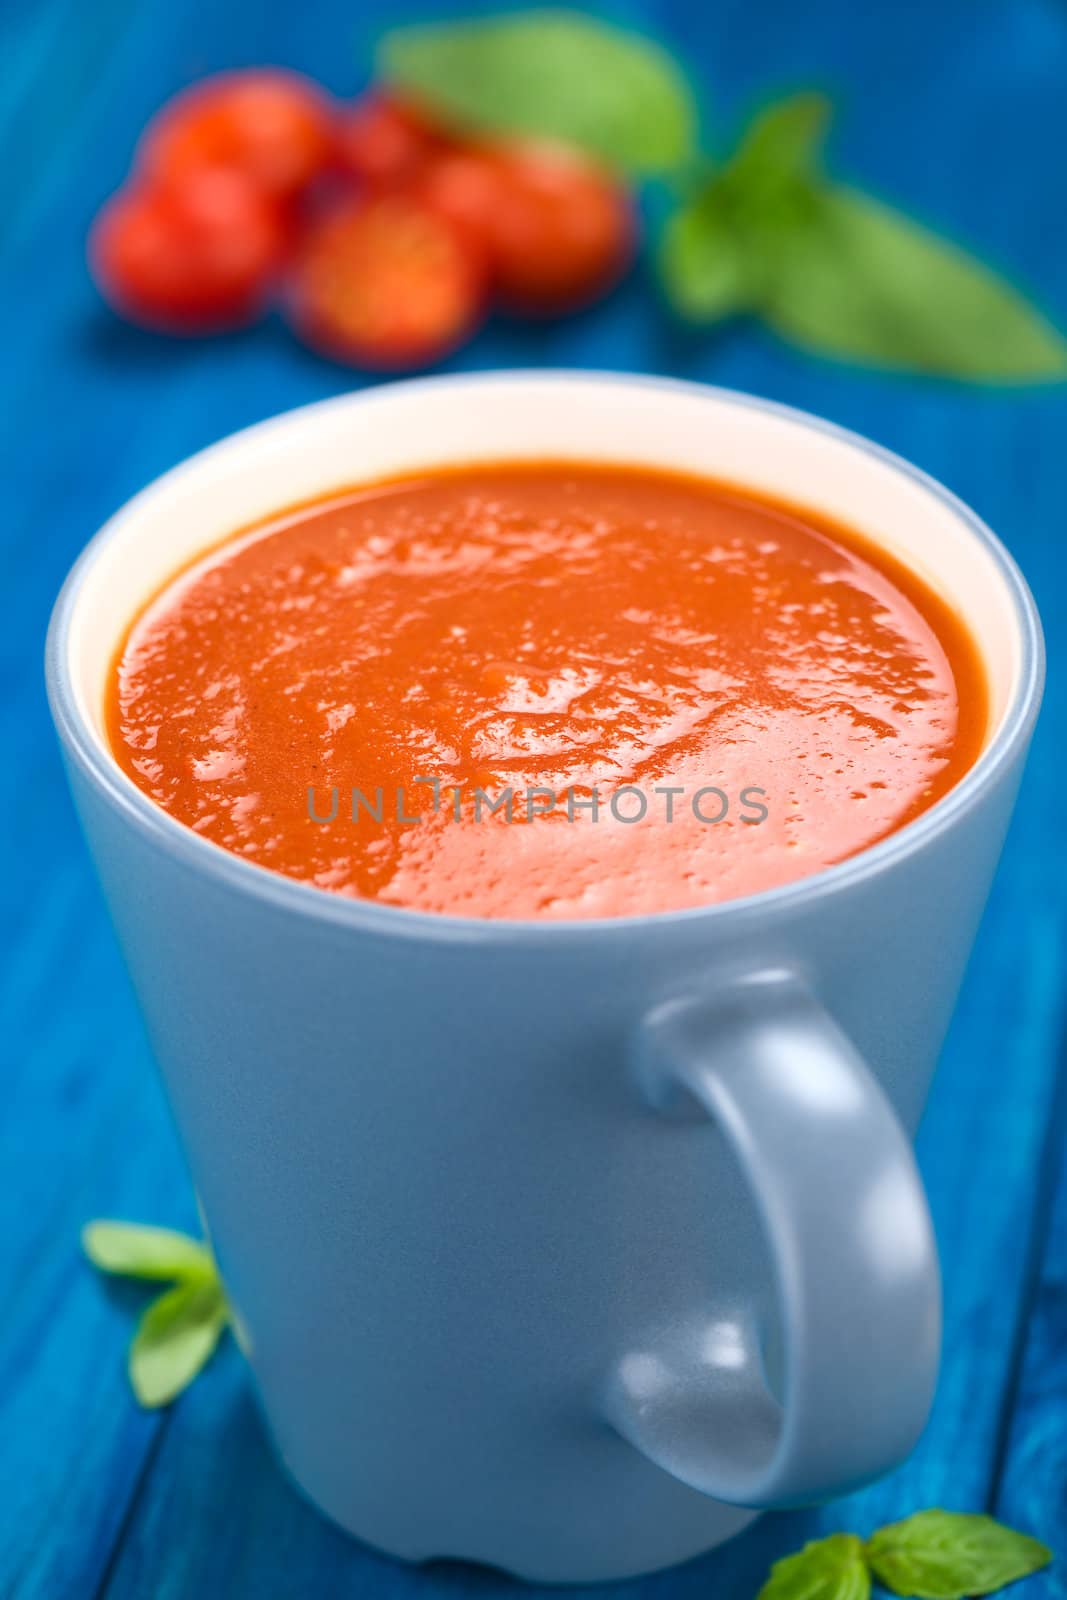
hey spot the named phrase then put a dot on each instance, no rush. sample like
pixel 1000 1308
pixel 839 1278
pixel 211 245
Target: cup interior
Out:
pixel 357 438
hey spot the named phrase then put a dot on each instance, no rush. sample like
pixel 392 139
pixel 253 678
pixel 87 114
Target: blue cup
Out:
pixel 564 1246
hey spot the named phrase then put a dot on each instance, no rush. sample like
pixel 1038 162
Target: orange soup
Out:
pixel 546 690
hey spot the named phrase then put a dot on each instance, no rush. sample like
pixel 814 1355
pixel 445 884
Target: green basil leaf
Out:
pixel 947 1555
pixel 783 142
pixel 854 279
pixel 704 264
pixel 829 1569
pixel 175 1338
pixel 142 1252
pixel 715 254
pixel 551 75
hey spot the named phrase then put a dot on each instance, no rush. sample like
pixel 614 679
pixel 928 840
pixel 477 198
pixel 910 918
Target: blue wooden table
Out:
pixel 956 108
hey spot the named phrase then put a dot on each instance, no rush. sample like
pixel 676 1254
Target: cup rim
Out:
pixel 206 859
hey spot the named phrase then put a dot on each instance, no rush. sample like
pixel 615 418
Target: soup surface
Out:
pixel 546 690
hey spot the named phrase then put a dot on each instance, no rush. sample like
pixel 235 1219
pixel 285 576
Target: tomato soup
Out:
pixel 546 690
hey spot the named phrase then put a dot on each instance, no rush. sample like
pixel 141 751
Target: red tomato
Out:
pixel 465 185
pixel 386 284
pixel 383 140
pixel 192 258
pixel 557 229
pixel 273 126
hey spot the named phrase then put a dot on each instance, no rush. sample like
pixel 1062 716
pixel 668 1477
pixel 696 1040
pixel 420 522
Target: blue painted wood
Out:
pixel 956 109
pixel 1033 1472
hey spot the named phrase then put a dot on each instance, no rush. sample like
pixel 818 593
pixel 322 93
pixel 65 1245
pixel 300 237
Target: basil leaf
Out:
pixel 143 1252
pixel 175 1338
pixel 704 264
pixel 550 75
pixel 716 253
pixel 854 279
pixel 783 142
pixel 947 1555
pixel 829 1569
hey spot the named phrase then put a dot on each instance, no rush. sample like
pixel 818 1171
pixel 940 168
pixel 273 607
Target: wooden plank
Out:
pixel 87 1134
pixel 1029 1491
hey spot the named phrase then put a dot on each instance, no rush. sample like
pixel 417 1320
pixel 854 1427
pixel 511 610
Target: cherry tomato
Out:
pixel 193 258
pixel 383 140
pixel 385 284
pixel 557 229
pixel 465 185
pixel 273 126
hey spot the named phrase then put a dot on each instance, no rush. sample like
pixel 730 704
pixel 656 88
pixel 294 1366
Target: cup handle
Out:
pixel 846 1220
